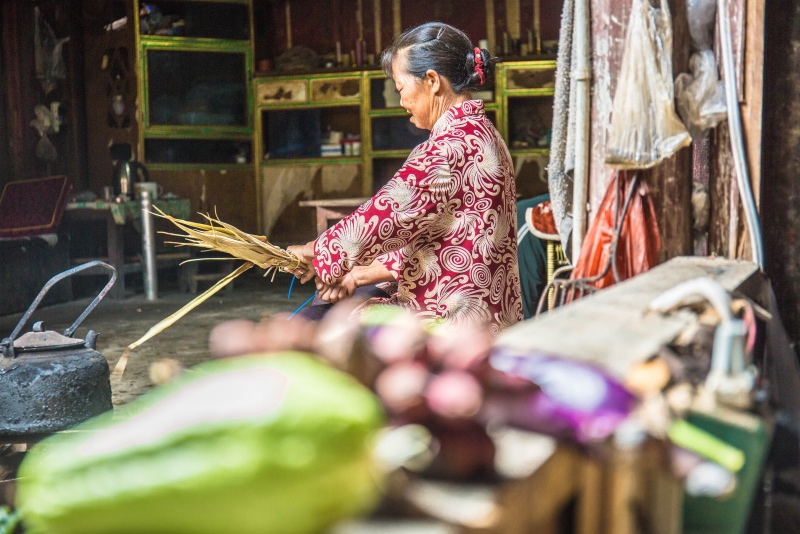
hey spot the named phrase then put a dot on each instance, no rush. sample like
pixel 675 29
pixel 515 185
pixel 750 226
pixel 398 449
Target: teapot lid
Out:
pixel 47 340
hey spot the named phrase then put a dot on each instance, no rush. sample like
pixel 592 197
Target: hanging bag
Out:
pixel 644 126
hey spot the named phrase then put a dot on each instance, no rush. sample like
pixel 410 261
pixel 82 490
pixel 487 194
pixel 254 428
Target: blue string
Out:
pixel 303 305
pixel 291 286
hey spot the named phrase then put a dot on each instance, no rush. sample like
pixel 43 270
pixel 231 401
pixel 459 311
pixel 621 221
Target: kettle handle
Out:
pixel 7 344
pixel 145 172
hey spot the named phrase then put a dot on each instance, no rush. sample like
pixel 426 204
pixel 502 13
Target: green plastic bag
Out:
pixel 260 444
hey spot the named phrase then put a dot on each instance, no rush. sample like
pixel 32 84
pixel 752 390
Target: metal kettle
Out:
pixel 49 381
pixel 125 174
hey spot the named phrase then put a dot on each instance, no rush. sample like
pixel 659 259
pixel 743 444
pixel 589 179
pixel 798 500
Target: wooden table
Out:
pixel 332 209
pixel 115 217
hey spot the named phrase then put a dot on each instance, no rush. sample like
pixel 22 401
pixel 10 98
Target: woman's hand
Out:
pixel 373 273
pixel 341 290
pixel 305 253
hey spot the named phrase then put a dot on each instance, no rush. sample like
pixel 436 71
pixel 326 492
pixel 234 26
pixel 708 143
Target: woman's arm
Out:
pixel 397 215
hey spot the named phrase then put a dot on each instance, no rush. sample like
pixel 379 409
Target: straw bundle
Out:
pixel 221 237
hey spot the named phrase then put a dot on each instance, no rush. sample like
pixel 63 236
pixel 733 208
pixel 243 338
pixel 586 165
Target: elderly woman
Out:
pixel 443 228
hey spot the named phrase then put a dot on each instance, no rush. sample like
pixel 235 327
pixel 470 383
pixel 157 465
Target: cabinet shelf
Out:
pixel 192 43
pixel 520 106
pixel 198 132
pixel 391 153
pixel 200 166
pixel 387 112
pixel 332 160
pixel 515 93
pixel 545 151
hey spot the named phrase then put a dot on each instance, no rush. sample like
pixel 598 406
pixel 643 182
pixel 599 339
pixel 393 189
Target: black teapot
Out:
pixel 50 382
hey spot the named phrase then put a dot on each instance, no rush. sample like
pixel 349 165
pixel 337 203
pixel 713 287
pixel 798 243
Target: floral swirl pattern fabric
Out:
pixel 443 225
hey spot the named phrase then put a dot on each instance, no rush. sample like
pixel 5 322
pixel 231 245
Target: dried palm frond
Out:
pixel 222 237
pixel 216 236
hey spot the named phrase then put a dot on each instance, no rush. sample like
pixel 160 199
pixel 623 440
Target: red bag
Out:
pixel 639 241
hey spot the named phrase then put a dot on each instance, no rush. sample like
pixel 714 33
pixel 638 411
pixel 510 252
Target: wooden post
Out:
pixel 490 28
pixel 360 21
pixel 512 18
pixel 780 187
pixel 396 21
pixel 288 16
pixel 376 8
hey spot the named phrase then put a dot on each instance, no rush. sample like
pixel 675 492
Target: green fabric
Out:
pixel 276 443
pixel 532 254
pixel 132 210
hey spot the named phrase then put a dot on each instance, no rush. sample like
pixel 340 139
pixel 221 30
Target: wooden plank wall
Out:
pixel 728 235
pixel 670 183
pixel 20 87
pixel 22 91
pixel 110 69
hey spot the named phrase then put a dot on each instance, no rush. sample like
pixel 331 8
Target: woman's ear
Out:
pixel 433 81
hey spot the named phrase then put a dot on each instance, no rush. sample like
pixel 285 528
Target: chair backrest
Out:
pixel 33 207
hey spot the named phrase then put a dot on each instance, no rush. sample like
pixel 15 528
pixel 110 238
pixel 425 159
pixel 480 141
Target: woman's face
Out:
pixel 416 96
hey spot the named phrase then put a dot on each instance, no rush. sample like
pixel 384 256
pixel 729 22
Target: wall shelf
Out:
pixel 384 131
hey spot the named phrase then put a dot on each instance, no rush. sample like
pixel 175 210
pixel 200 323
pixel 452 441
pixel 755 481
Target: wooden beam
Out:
pixel 612 328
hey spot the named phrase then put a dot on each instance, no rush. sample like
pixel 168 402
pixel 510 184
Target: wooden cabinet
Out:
pixel 526 89
pixel 309 145
pixel 176 89
pixel 339 135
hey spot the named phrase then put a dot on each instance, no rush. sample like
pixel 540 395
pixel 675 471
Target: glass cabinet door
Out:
pixel 529 122
pixel 196 88
pixel 208 20
pixel 329 132
pixel 396 133
pixel 198 151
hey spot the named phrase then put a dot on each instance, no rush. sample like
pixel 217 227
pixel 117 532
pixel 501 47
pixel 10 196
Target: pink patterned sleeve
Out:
pixel 400 212
pixel 393 261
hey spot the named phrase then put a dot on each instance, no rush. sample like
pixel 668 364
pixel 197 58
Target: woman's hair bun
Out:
pixel 445 49
pixel 481 64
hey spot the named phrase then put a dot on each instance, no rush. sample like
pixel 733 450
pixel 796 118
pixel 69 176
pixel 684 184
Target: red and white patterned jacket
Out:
pixel 445 225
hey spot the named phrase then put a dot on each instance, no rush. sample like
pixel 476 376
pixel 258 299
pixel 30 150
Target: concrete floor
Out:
pixel 121 322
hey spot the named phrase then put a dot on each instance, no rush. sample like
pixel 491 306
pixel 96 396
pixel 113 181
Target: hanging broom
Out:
pixel 219 237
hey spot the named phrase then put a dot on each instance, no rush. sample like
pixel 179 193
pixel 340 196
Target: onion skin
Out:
pixel 454 395
pixel 401 387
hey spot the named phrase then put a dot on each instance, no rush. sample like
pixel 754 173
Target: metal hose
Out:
pixel 735 128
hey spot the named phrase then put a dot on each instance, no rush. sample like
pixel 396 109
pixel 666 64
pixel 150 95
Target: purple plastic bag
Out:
pixel 576 400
